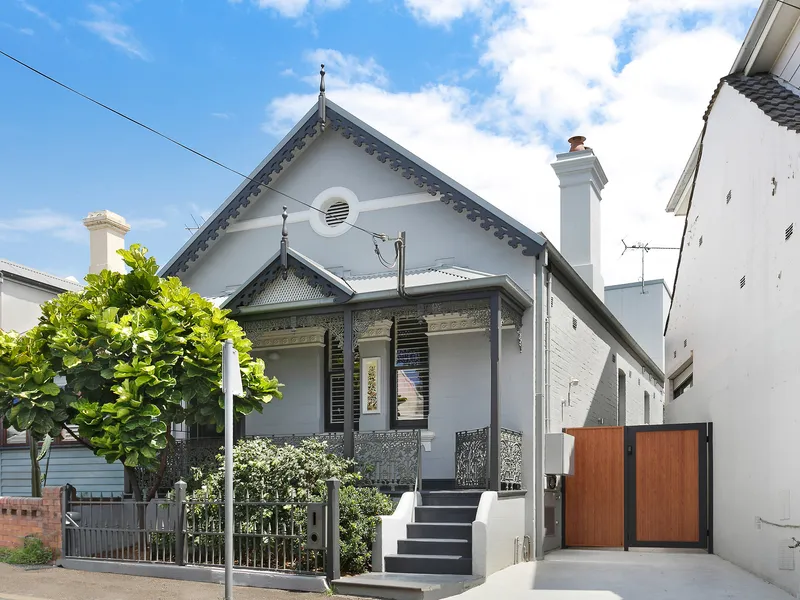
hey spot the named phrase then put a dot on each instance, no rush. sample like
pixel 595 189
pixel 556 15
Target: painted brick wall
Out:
pixel 580 348
pixel 41 517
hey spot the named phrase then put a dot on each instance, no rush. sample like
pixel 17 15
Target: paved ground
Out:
pixel 17 583
pixel 616 575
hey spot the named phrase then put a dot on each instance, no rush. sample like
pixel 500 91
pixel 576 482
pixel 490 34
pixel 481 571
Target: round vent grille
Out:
pixel 337 213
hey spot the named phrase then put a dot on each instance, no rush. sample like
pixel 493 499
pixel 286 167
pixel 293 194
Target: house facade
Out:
pixel 22 292
pixel 731 336
pixel 469 332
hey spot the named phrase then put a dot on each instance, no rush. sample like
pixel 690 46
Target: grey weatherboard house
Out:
pixel 453 381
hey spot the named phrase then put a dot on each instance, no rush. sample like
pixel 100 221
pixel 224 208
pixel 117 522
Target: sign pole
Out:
pixel 231 385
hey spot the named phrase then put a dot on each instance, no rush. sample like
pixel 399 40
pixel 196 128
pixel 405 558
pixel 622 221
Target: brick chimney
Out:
pixel 106 235
pixel 581 179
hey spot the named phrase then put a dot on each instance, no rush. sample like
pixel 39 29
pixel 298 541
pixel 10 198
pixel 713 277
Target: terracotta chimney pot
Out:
pixel 576 143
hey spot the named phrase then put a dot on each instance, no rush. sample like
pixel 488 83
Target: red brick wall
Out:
pixel 31 516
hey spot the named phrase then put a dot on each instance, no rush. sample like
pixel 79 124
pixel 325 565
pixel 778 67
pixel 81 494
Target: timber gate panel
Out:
pixel 640 486
pixel 594 498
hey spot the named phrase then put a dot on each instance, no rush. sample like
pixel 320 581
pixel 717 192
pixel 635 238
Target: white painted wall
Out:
pixel 644 314
pixel 392 528
pixel 20 305
pixel 744 341
pixel 590 354
pixel 497 523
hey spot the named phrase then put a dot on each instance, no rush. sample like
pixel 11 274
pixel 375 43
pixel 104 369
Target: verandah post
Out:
pixel 333 569
pixel 495 322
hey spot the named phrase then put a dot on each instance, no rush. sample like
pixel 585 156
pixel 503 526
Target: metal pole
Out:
pixel 180 522
pixel 227 381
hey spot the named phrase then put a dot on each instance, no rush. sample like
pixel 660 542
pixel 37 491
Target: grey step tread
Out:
pixel 405 586
pixel 429 556
pixel 447 540
pixel 446 506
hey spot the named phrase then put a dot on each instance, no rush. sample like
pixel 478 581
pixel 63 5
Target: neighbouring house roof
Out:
pixel 635 284
pixel 363 284
pixel 385 150
pixel 37 278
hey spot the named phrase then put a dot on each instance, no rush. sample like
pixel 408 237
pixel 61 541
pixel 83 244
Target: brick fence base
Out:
pixel 41 517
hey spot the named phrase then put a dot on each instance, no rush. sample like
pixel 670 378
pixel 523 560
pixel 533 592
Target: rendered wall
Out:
pixel 744 340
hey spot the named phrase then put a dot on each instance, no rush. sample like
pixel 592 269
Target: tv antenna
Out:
pixel 190 229
pixel 644 248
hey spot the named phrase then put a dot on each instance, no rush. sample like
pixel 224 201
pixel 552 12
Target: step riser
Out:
pixel 450 532
pixel 436 566
pixel 456 548
pixel 442 514
pixel 451 499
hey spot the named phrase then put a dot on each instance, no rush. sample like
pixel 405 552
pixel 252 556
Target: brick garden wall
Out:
pixel 41 517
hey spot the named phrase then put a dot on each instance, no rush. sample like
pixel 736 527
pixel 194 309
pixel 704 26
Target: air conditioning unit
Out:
pixel 552 483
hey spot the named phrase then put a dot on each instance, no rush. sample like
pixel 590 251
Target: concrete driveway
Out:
pixel 617 575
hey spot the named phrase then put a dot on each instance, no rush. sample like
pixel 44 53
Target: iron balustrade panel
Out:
pixel 510 459
pixel 472 458
pixel 389 458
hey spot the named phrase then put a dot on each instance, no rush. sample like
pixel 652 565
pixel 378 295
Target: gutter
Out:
pixel 600 311
pixel 753 38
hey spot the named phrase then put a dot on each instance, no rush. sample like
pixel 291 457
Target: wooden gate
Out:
pixel 645 486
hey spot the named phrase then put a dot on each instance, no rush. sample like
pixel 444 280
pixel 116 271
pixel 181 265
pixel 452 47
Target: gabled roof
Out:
pixel 38 278
pixel 374 143
pixel 307 280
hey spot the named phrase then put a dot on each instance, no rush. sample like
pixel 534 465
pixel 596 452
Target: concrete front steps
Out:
pixel 435 559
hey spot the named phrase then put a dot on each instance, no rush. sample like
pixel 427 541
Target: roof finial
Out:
pixel 284 246
pixel 322 97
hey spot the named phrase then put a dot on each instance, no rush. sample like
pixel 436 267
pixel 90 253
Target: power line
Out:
pixel 375 236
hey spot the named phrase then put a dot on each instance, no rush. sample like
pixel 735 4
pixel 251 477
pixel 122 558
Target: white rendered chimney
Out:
pixel 106 235
pixel 581 179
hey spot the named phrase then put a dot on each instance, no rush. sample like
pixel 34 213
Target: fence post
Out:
pixel 333 568
pixel 180 523
pixel 65 496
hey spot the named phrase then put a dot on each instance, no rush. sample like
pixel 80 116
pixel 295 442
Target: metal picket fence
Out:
pixel 269 534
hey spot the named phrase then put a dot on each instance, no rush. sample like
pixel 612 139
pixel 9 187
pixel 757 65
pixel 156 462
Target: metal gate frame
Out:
pixel 705 432
pixel 705 493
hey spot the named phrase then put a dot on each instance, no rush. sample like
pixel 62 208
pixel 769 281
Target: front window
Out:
pixel 411 373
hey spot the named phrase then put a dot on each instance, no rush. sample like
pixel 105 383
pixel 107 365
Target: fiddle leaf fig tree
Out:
pixel 29 398
pixel 139 353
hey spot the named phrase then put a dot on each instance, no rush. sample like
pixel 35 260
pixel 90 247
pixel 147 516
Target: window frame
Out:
pixel 394 422
pixel 329 425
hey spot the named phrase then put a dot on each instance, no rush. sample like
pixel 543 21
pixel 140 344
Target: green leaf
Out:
pixel 51 389
pixel 70 361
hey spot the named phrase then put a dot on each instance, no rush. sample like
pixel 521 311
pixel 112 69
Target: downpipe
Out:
pixel 540 407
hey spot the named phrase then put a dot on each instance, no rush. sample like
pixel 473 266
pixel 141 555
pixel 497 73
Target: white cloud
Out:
pixel 221 115
pixel 295 8
pixel 558 69
pixel 20 30
pixel 147 224
pixel 40 14
pixel 106 25
pixel 43 221
pixel 440 12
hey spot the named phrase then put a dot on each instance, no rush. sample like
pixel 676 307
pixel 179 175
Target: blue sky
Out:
pixel 487 91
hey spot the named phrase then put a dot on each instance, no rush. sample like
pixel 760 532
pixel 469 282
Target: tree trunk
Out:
pixel 36 473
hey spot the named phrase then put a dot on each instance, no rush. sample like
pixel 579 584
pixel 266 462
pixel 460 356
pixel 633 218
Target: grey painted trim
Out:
pixel 385 150
pixel 36 283
pixel 635 284
pixel 512 493
pixel 330 285
pixel 514 294
pixel 241 577
pixel 201 237
pixel 495 333
pixel 349 367
pixel 589 299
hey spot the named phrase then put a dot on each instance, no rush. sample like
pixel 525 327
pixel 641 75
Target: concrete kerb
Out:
pixel 241 577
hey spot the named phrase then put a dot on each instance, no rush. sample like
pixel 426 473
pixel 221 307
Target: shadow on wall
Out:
pixel 603 406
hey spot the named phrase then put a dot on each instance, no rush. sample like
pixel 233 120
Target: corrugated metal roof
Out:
pixel 11 268
pixel 363 284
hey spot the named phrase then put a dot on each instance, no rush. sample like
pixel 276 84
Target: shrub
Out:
pixel 265 472
pixel 32 552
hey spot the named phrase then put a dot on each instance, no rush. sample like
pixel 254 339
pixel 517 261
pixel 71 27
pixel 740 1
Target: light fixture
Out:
pixel 572 382
pixel 273 356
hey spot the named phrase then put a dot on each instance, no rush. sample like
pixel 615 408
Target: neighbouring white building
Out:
pixel 496 337
pixel 733 335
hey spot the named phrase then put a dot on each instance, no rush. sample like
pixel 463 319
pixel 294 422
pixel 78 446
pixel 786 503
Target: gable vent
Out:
pixel 614 358
pixel 337 213
pixel 574 323
pixel 789 230
pixel 701 240
pixel 742 281
pixel 728 197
